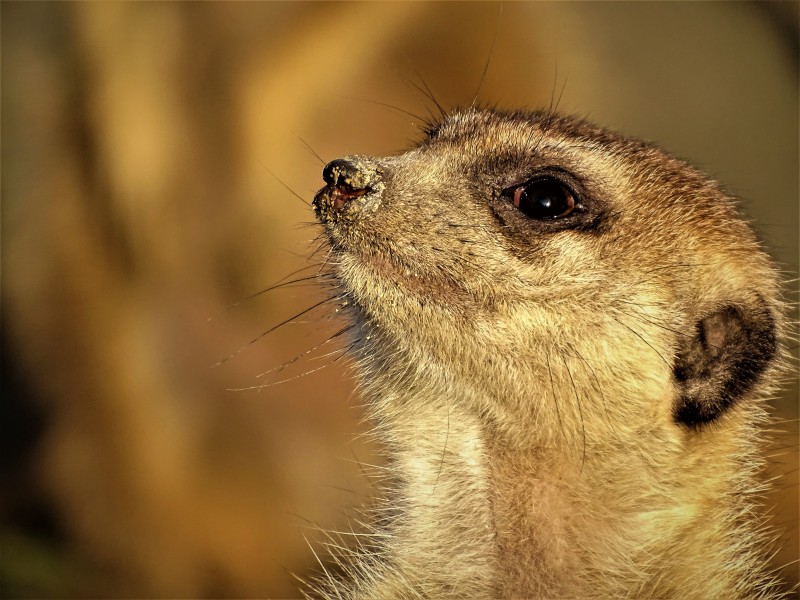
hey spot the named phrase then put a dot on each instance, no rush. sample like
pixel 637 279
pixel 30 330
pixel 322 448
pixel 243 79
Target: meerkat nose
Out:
pixel 342 171
pixel 348 178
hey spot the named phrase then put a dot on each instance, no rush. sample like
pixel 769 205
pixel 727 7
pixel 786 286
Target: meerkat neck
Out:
pixel 444 534
pixel 471 507
pixel 477 516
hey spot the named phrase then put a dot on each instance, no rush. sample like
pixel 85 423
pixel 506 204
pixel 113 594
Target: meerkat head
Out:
pixel 566 276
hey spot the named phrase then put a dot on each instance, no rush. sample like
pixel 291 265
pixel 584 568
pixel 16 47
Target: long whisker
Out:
pixel 637 334
pixel 310 149
pixel 281 284
pixel 555 398
pixel 288 363
pixel 489 57
pixel 261 386
pixel 580 411
pixel 285 185
pixel 271 329
pixel 425 89
pixel 599 389
pixel 387 105
pixel 444 449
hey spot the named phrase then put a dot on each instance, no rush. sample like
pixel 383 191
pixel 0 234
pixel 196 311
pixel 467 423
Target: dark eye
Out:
pixel 544 199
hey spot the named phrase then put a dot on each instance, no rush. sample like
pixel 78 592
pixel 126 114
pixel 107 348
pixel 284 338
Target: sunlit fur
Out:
pixel 521 379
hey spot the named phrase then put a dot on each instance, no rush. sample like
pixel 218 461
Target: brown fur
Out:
pixel 560 419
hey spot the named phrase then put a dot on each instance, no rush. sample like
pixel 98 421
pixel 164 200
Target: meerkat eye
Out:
pixel 543 199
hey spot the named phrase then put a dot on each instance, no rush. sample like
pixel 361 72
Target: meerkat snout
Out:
pixel 348 179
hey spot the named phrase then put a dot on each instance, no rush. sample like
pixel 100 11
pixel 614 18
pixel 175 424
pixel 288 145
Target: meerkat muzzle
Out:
pixel 348 179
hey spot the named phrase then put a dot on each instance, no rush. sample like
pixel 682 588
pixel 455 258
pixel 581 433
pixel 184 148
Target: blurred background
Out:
pixel 148 153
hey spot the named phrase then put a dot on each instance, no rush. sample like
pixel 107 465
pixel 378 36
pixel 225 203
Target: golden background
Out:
pixel 147 149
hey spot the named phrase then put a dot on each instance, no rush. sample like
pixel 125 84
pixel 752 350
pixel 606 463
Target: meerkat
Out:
pixel 565 338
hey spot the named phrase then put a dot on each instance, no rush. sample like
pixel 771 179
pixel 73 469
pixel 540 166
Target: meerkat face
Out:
pixel 531 248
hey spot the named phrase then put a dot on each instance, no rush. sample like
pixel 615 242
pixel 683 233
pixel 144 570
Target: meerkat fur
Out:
pixel 570 407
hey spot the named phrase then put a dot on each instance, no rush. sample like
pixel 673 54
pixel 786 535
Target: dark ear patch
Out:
pixel 716 366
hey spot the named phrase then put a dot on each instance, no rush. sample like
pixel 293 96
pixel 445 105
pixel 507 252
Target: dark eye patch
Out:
pixel 551 200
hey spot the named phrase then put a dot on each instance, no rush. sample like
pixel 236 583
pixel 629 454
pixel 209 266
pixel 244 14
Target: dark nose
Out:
pixel 347 179
pixel 344 172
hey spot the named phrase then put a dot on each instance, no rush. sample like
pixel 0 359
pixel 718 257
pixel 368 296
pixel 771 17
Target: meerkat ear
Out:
pixel 721 361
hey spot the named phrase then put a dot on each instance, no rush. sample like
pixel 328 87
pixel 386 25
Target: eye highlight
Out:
pixel 544 199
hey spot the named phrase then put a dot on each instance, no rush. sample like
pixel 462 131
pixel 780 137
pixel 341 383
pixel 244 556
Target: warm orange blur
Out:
pixel 145 148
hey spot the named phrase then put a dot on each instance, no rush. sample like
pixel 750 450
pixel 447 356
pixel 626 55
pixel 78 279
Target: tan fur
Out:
pixel 523 385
